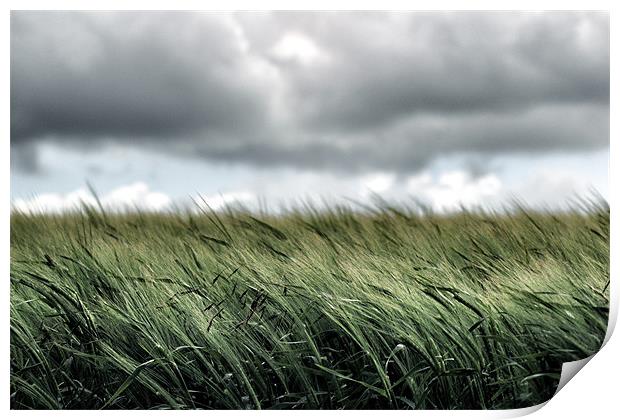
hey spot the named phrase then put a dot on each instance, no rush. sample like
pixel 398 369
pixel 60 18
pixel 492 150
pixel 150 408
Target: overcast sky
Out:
pixel 470 108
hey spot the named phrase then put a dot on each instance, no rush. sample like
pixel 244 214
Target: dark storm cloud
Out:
pixel 127 75
pixel 330 90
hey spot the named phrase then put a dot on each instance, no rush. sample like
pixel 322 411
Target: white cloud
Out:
pixel 54 203
pixel 442 189
pixel 378 182
pixel 454 189
pixel 553 188
pixel 297 47
pixel 134 196
pixel 219 201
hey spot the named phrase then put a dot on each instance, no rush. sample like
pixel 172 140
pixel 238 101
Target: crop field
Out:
pixel 388 308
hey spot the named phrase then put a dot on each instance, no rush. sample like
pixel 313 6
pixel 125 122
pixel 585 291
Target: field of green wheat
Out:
pixel 388 307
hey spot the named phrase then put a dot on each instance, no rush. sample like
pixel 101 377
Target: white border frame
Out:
pixel 591 394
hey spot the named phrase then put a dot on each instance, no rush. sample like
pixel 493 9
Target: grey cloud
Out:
pixel 451 63
pixel 390 90
pixel 413 142
pixel 25 159
pixel 126 75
